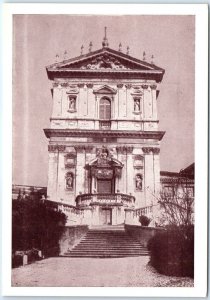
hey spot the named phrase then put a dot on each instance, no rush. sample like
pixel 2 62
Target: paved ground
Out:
pixel 72 272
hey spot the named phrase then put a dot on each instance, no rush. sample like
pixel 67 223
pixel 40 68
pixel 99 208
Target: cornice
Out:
pixel 103 133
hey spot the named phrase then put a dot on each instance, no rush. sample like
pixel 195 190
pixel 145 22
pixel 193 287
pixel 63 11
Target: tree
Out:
pixel 36 224
pixel 177 206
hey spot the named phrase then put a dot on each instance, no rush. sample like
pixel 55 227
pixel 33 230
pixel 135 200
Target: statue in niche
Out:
pixel 137 105
pixel 69 181
pixel 139 182
pixel 72 103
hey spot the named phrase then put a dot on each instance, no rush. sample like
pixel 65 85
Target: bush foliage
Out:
pixel 144 220
pixel 172 251
pixel 36 225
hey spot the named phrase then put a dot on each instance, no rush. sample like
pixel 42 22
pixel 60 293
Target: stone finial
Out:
pixel 65 55
pixel 90 46
pixel 56 57
pixel 144 56
pixel 105 40
pixel 152 59
pixel 128 48
pixel 82 48
pixel 120 47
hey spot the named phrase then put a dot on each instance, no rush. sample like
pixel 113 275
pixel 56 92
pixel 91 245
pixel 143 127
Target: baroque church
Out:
pixel 104 141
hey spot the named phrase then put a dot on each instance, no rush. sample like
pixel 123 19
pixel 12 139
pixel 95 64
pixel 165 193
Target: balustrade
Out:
pixel 88 199
pixel 146 211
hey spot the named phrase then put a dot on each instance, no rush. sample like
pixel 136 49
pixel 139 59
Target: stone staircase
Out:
pixel 107 241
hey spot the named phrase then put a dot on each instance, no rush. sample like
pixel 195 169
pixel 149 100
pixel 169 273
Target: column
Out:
pixel 156 157
pixel 147 102
pixel 81 109
pixel 52 173
pixel 130 173
pixel 57 100
pixel 121 156
pixel 153 88
pixel 80 170
pixel 148 175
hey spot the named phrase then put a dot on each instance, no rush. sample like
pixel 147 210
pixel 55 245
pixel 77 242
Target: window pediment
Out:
pixel 105 89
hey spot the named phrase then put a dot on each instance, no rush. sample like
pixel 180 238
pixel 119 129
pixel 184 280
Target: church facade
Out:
pixel 104 142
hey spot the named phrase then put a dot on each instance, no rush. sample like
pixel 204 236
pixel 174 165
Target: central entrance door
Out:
pixel 104 186
pixel 106 216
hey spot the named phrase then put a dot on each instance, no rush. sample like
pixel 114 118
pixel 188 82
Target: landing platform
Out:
pixel 119 227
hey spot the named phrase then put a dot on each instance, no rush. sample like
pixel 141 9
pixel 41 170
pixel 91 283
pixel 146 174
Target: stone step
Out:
pixel 103 255
pixel 107 251
pixel 108 243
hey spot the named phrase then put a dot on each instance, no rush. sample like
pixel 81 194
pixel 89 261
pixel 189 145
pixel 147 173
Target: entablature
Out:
pixel 157 135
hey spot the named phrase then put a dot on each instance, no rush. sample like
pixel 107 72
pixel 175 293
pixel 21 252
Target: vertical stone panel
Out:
pixel 147 98
pixel 52 176
pixel 57 102
pixel 149 178
pixel 90 103
pixel 130 174
pixel 122 184
pixel 156 158
pixel 80 172
pixel 122 102
pixel 154 101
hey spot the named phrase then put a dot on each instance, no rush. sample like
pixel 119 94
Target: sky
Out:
pixel 38 38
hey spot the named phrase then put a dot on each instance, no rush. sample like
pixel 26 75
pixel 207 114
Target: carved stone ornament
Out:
pixel 104 156
pixel 156 150
pixel 104 173
pixel 104 61
pixel 54 148
pixel 128 86
pixel 79 148
pixel 124 149
pixel 72 91
pixel 153 86
pixel 69 181
pixel 89 148
pixel 89 85
pixel 55 84
pixel 120 85
pixel 148 150
pixel 144 86
pixel 61 148
pixel 81 85
pixel 64 84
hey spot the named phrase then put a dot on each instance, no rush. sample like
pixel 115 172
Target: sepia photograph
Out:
pixel 103 150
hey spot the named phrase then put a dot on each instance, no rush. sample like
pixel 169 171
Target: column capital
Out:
pixel 153 86
pixel 128 86
pixel 124 149
pixel 54 148
pixel 81 85
pixel 149 150
pixel 144 86
pixel 79 148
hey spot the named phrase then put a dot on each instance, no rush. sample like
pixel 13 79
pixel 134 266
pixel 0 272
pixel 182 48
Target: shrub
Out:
pixel 144 220
pixel 172 251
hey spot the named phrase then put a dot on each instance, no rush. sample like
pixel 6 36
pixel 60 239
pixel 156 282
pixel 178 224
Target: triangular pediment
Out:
pixel 105 89
pixel 104 59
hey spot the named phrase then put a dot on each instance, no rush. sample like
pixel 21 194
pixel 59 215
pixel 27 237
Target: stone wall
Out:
pixel 71 236
pixel 142 233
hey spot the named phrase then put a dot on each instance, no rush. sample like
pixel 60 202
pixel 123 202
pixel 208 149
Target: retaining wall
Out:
pixel 142 233
pixel 71 236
